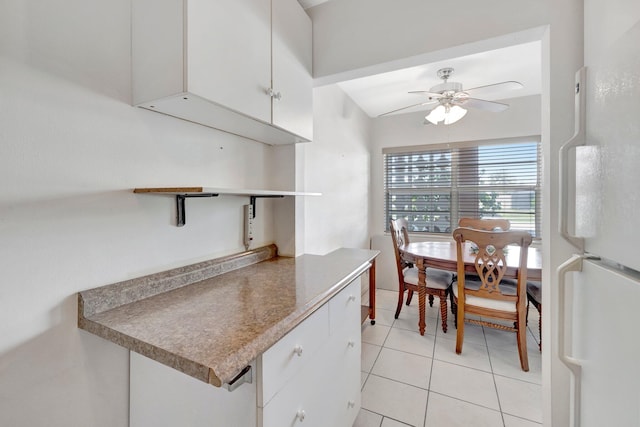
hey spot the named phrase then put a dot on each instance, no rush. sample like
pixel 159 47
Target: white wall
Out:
pixel 353 38
pixel 71 150
pixel 337 165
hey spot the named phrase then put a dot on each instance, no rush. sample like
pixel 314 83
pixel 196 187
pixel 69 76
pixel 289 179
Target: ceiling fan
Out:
pixel 451 101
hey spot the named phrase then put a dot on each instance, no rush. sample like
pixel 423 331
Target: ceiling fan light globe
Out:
pixel 454 114
pixel 437 115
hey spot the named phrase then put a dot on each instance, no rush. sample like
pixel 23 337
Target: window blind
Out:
pixel 434 187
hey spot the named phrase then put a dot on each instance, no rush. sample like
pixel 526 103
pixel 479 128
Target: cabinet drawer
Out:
pixel 305 401
pixel 344 308
pixel 289 355
pixel 346 393
pixel 325 393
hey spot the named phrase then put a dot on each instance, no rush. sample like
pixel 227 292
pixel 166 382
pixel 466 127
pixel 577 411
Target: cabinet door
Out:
pixel 228 57
pixel 344 361
pixel 165 397
pixel 292 68
pixel 344 308
pixel 345 365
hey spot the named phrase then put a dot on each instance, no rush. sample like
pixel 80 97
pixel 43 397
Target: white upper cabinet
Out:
pixel 292 65
pixel 241 66
pixel 228 54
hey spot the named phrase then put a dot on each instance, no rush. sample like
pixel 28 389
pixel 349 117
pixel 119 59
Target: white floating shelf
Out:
pixel 212 190
pixel 181 193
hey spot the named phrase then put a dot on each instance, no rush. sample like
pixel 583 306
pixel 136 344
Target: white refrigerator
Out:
pixel 598 289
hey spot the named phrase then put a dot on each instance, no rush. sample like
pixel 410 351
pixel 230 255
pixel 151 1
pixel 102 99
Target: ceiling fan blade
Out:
pixel 508 85
pixel 427 93
pixel 481 104
pixel 406 108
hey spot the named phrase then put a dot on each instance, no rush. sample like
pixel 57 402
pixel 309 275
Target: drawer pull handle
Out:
pixel 301 414
pixel 352 297
pixel 351 404
pixel 352 343
pixel 298 350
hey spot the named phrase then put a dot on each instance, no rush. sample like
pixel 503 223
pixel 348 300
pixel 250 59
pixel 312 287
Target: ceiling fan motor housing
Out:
pixel 447 87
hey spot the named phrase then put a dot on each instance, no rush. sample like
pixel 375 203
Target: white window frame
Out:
pixel 454 189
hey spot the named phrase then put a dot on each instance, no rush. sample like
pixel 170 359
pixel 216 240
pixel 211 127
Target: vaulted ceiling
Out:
pixel 381 93
pixel 310 3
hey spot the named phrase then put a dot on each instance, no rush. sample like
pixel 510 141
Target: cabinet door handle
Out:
pixel 274 94
pixel 352 297
pixel 351 404
pixel 301 414
pixel 351 343
pixel 298 350
pixel 245 376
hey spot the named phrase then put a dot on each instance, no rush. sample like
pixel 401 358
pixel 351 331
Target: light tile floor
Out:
pixel 420 381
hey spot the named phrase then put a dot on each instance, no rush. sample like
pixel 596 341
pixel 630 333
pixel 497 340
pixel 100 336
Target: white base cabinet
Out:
pixel 311 378
pixel 320 385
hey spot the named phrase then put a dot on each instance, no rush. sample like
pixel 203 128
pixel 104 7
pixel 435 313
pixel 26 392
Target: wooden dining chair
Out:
pixel 489 296
pixel 534 289
pixel 488 224
pixel 438 282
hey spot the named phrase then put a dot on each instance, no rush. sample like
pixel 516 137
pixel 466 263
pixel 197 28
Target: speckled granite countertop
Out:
pixel 211 319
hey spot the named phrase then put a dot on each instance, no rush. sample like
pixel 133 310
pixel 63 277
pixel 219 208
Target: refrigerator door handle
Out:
pixel 563 167
pixel 575 365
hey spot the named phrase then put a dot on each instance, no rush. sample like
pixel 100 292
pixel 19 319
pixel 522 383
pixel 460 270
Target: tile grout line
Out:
pixel 433 357
pixel 438 337
pixel 493 377
pixel 377 356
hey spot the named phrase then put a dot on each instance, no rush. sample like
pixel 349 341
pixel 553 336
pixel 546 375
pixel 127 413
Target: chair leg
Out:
pixel 443 312
pixel 453 303
pixel 454 309
pixel 422 297
pixel 521 333
pixel 460 326
pixel 526 316
pixel 400 298
pixel 409 296
pixel 539 307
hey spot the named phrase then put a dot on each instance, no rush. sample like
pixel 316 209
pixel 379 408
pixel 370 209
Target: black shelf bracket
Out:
pixel 181 216
pixel 252 200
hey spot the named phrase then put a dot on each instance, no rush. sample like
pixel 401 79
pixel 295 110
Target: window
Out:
pixel 433 186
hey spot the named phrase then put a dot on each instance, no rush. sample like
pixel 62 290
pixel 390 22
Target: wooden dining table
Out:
pixel 443 255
